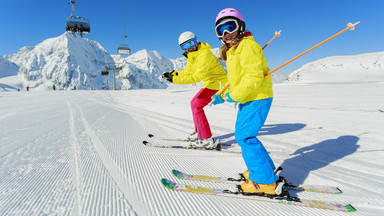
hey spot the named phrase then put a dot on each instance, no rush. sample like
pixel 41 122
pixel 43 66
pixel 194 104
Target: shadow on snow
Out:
pixel 6 87
pixel 310 158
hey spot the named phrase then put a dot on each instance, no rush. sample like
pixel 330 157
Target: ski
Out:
pixel 151 144
pixel 309 188
pixel 168 139
pixel 155 144
pixel 286 199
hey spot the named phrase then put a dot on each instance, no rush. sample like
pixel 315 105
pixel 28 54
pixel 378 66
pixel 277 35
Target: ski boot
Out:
pixel 208 144
pixel 250 187
pixel 192 137
pixel 195 143
pixel 274 190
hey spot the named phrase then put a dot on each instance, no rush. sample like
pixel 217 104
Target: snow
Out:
pixel 81 152
pixel 354 68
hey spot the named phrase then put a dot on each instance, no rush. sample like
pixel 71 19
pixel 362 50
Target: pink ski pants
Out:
pixel 201 99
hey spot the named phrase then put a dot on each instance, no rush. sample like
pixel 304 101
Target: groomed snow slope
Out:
pixel 81 152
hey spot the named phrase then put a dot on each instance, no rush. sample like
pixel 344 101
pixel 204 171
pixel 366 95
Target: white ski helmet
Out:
pixel 185 36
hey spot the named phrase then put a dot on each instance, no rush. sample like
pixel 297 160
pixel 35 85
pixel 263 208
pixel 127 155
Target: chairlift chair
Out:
pixel 83 24
pixel 104 72
pixel 124 49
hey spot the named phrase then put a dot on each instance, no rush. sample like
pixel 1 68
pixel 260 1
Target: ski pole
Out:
pixel 350 26
pixel 277 34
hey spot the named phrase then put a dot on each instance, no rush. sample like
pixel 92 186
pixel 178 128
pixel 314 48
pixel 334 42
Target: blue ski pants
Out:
pixel 250 118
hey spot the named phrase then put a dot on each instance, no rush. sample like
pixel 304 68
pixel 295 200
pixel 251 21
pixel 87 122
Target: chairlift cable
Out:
pixel 125 20
pixel 78 9
pixel 124 48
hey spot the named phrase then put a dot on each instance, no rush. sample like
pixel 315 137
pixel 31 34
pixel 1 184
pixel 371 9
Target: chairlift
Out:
pixel 124 49
pixel 105 72
pixel 77 23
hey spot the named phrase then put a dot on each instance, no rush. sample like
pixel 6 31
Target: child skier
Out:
pixel 246 66
pixel 201 65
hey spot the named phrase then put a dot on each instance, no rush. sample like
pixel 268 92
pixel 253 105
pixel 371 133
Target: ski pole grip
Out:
pixel 352 26
pixel 277 34
pixel 220 93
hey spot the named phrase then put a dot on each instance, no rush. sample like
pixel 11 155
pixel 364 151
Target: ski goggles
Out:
pixel 188 44
pixel 228 25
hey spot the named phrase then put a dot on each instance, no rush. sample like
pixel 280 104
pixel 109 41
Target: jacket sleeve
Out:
pixel 195 73
pixel 251 72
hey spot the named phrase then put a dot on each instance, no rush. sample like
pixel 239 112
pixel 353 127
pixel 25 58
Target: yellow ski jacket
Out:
pixel 202 65
pixel 246 67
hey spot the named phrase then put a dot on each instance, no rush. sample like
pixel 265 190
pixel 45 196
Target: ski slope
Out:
pixel 81 152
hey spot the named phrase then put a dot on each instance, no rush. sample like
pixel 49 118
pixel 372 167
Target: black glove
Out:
pixel 168 76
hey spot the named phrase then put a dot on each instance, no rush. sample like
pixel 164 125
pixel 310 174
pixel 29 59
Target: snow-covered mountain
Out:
pixel 7 68
pixel 150 61
pixel 70 62
pixel 143 69
pixel 65 61
pixel 354 68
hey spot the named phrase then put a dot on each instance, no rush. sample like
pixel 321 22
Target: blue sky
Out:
pixel 156 25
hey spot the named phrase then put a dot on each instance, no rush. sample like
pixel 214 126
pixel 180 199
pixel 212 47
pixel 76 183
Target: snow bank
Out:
pixel 356 68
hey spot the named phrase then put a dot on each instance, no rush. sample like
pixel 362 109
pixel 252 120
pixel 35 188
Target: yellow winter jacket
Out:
pixel 202 65
pixel 246 66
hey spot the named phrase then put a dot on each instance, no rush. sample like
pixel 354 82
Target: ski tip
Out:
pixel 177 173
pixel 150 135
pixel 164 181
pixel 349 208
pixel 145 142
pixel 168 183
pixel 338 191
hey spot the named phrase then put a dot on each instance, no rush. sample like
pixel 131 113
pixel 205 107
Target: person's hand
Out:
pixel 229 99
pixel 168 76
pixel 217 99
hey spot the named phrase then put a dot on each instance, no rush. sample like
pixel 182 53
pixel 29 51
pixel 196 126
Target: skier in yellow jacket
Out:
pixel 246 66
pixel 201 65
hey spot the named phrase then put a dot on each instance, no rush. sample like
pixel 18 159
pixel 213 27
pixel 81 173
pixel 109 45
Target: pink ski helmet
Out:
pixel 231 13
